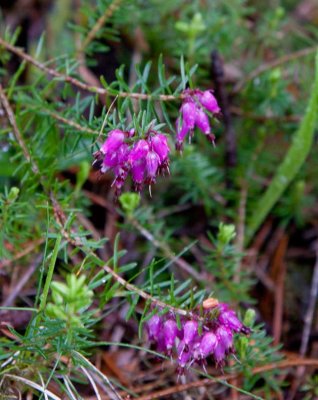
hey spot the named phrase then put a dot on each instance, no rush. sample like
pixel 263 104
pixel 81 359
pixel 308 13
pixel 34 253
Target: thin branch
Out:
pixel 310 310
pixel 69 122
pixel 143 294
pixel 22 281
pixel 22 253
pixel 17 134
pixel 99 23
pixel 208 382
pixel 166 250
pixel 81 85
pixel 275 63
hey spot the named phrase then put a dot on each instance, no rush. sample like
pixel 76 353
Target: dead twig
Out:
pixel 69 122
pixel 81 85
pixel 275 63
pixel 208 382
pixel 28 249
pixel 17 134
pixel 99 23
pixel 167 251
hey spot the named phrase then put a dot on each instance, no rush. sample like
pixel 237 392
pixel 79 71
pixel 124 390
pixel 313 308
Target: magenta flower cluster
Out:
pixel 145 158
pixel 198 337
pixel 123 153
pixel 194 114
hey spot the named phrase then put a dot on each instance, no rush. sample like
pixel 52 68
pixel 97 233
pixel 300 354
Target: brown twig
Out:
pixel 99 23
pixel 22 281
pixel 208 382
pixel 22 253
pixel 239 241
pixel 17 134
pixel 311 308
pixel 275 63
pixel 166 250
pixel 69 122
pixel 81 85
pixel 279 271
pixel 143 294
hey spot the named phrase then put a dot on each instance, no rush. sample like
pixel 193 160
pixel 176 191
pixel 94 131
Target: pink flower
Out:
pixel 182 131
pixel 188 110
pixel 145 159
pixel 184 355
pixel 154 326
pixel 190 345
pixel 207 344
pixel 202 121
pixel 190 332
pixel 170 332
pixel 159 144
pixel 193 114
pixel 152 165
pixel 209 102
pixel 139 151
pixel 115 139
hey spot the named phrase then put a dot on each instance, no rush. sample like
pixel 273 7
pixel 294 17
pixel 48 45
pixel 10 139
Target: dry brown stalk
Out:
pixel 81 85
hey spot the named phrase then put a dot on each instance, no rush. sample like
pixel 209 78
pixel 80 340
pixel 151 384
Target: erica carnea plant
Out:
pixel 99 280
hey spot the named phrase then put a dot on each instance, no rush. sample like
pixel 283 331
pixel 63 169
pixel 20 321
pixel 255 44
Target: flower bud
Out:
pixel 188 110
pixel 115 139
pixel 152 164
pixel 154 326
pixel 190 332
pixel 160 146
pixel 230 320
pixel 209 102
pixel 207 344
pixel 170 332
pixel 202 121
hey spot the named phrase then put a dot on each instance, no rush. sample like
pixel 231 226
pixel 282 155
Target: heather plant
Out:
pixel 138 145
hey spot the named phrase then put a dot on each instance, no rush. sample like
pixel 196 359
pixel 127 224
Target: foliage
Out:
pixel 81 268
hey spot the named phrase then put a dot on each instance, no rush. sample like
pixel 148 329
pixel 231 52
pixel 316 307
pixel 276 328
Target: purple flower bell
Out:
pixel 170 333
pixel 152 165
pixel 225 337
pixel 202 121
pixel 182 131
pixel 207 344
pixel 190 332
pixel 159 144
pixel 188 110
pixel 209 102
pixel 115 139
pixel 139 151
pixel 193 114
pixel 154 326
pixel 229 319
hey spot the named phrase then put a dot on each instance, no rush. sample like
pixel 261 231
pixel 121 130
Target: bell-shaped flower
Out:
pixel 114 140
pixel 202 121
pixel 209 102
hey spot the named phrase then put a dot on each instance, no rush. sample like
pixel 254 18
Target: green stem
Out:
pixel 50 273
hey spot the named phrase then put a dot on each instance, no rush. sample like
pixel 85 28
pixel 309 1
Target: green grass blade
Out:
pixel 291 164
